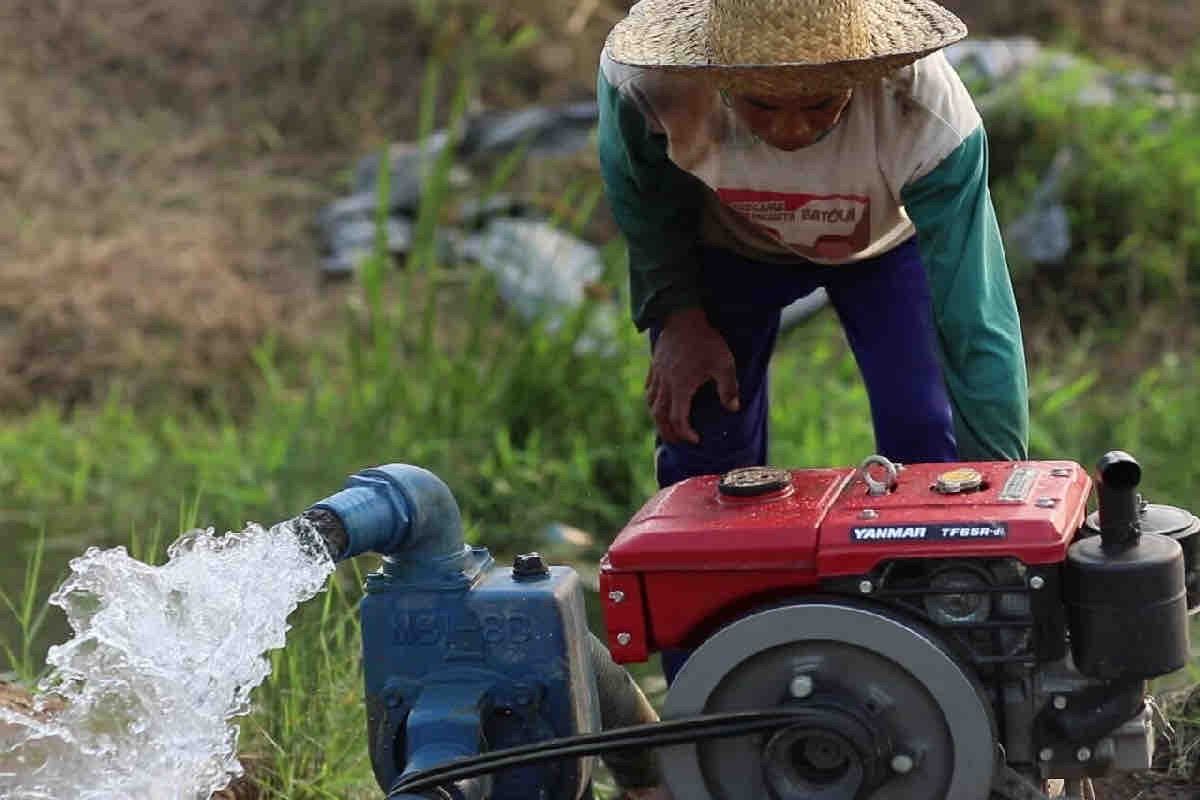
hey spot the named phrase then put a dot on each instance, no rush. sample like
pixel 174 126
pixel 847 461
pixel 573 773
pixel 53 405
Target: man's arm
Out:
pixel 657 206
pixel 978 327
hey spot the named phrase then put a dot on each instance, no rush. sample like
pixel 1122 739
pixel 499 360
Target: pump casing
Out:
pixel 460 656
pixel 510 648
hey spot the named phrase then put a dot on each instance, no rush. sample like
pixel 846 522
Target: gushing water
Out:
pixel 140 703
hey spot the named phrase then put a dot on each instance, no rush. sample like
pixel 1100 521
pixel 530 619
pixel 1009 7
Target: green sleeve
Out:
pixel 979 331
pixel 657 206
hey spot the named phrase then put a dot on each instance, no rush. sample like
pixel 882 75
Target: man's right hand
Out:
pixel 688 354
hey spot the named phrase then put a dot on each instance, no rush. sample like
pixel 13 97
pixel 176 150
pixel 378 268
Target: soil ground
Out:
pixel 1147 787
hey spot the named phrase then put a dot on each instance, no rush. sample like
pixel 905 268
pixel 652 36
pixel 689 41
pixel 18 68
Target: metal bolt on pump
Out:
pixel 801 686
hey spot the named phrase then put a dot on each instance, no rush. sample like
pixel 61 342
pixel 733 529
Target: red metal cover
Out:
pixel 699 553
pixel 691 526
pixel 624 615
pixel 1027 510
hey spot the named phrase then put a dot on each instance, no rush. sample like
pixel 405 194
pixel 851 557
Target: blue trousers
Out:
pixel 884 308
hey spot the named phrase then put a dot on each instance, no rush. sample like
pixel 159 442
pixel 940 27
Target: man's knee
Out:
pixel 919 438
pixel 677 462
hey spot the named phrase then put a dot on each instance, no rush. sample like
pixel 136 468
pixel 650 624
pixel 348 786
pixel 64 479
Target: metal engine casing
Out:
pixel 449 656
pixel 692 558
pixel 979 569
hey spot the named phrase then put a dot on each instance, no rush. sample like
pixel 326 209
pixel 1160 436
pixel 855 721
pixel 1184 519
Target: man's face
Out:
pixel 789 122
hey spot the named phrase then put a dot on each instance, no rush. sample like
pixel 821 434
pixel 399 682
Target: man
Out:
pixel 755 150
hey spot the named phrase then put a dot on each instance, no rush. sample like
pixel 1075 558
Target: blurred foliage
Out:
pixel 1131 188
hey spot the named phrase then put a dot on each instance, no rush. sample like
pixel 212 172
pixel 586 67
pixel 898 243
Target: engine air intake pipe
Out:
pixel 1124 589
pixel 1120 506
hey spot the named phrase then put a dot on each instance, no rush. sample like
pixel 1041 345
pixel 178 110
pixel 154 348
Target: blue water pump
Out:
pixel 460 656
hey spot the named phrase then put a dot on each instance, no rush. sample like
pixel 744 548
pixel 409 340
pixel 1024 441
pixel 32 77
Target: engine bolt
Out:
pixel 1061 472
pixel 624 639
pixel 801 686
pixel 866 587
pixel 1083 754
pixel 616 595
pixel 902 763
pixel 1060 702
pixel 868 513
pixel 1046 754
pixel 1037 582
pixel 1046 502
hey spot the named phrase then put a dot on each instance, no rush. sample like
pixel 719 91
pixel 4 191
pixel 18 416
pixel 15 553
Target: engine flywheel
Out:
pixel 889 714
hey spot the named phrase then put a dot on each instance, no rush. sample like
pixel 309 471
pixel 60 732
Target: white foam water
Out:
pixel 140 704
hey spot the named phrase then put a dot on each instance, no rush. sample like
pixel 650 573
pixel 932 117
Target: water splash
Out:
pixel 140 703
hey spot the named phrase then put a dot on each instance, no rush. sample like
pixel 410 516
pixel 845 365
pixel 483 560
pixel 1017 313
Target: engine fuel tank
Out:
pixel 698 550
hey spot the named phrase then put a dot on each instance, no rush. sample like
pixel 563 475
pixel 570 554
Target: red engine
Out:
pixel 937 619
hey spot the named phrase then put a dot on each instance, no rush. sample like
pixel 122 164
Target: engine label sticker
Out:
pixel 1018 485
pixel 929 532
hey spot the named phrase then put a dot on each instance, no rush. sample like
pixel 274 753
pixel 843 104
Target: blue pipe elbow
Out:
pixel 397 509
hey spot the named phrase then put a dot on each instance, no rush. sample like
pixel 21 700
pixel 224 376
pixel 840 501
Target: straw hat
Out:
pixel 801 45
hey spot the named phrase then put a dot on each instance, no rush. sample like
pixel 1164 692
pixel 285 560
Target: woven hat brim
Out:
pixel 673 34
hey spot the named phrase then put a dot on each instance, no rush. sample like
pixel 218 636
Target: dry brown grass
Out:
pixel 161 161
pixel 1161 33
pixel 147 244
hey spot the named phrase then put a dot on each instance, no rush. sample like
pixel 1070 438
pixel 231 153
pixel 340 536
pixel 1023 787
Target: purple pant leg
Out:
pixel 742 300
pixel 885 309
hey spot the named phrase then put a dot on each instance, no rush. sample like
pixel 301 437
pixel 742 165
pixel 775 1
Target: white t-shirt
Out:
pixel 833 202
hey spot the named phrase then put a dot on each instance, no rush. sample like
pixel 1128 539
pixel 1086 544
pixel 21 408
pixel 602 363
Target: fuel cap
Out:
pixel 963 479
pixel 753 481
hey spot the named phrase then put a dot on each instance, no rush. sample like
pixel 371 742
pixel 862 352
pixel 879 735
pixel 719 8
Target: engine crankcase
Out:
pixel 887 712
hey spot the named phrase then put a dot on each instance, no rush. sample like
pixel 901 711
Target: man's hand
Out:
pixel 689 353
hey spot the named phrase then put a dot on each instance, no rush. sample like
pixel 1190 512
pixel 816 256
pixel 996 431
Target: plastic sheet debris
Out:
pixel 410 164
pixel 995 69
pixel 347 226
pixel 545 274
pixel 541 130
pixel 994 60
pixel 803 308
pixel 475 212
pixel 995 64
pixel 1043 233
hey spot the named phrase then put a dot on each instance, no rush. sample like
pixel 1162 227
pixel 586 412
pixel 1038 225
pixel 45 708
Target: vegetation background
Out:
pixel 170 357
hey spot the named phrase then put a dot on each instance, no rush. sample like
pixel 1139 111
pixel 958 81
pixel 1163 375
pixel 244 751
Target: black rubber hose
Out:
pixel 655 734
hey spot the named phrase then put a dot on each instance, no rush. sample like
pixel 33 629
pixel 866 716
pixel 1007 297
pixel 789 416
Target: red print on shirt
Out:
pixel 827 226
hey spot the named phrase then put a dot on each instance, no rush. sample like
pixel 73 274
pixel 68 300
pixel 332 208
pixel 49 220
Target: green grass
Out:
pixel 1132 191
pixel 430 369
